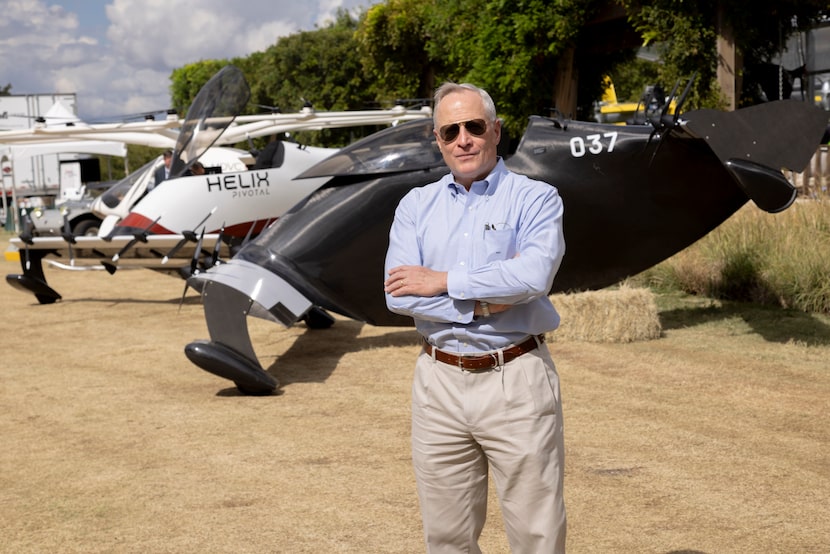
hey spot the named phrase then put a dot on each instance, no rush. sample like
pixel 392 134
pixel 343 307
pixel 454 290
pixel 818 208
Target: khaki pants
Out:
pixel 508 419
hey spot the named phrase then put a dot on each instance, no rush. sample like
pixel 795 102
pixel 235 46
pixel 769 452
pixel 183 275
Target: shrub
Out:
pixel 754 256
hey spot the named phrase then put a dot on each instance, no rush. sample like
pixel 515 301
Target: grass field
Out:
pixel 712 438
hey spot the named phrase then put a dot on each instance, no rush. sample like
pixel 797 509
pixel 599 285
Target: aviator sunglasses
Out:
pixel 475 127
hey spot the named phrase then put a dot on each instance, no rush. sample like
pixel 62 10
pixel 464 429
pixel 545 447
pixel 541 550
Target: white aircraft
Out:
pixel 189 221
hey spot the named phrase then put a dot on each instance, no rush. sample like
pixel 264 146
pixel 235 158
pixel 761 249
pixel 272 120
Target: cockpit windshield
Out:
pixel 222 98
pixel 115 194
pixel 405 147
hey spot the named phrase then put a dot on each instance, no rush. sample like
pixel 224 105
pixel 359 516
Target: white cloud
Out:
pixel 126 69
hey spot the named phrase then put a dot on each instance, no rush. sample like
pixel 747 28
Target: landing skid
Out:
pixel 226 362
pixel 26 283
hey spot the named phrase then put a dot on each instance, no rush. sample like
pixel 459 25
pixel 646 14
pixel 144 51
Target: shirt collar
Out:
pixel 490 182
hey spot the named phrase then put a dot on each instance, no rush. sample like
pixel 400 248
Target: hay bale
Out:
pixel 613 315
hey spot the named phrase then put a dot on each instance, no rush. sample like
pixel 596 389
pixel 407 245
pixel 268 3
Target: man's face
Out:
pixel 470 157
pixel 167 161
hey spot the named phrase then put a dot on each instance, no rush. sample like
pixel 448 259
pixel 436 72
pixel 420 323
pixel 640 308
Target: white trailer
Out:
pixel 43 176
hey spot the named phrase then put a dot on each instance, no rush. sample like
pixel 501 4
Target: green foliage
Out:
pixel 187 80
pixel 516 47
pixel 320 67
pixel 6 90
pixel 684 33
pixel 631 77
pixel 512 48
pixel 392 38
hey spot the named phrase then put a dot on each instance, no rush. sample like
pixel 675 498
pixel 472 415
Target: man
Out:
pixel 163 172
pixel 472 259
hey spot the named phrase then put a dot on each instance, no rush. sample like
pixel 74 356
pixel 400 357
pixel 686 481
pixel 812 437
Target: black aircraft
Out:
pixel 634 195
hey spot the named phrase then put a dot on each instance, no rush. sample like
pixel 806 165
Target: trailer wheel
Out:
pixel 86 228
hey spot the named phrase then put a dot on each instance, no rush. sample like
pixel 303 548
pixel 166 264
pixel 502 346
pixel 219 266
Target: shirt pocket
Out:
pixel 499 244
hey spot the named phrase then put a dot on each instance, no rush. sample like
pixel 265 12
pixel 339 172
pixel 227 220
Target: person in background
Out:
pixel 472 258
pixel 196 169
pixel 163 172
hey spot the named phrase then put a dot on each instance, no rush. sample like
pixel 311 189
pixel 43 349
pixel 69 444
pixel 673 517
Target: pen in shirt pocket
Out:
pixel 496 226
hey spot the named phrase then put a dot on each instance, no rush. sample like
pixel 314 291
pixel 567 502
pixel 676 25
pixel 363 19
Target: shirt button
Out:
pixel 460 317
pixel 462 295
pixel 460 263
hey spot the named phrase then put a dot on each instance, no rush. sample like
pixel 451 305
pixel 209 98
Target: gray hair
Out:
pixel 449 87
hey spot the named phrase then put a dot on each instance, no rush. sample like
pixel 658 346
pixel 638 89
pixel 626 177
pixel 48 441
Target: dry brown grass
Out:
pixel 775 259
pixel 712 438
pixel 624 314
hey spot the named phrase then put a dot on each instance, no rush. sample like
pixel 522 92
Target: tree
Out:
pixel 187 80
pixel 512 48
pixel 521 51
pixel 321 68
pixel 392 38
pixel 685 34
pixel 6 90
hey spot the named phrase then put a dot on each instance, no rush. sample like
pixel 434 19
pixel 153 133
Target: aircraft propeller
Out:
pixel 187 236
pixel 194 265
pixel 27 235
pixel 214 259
pixel 68 236
pixel 138 236
pixel 657 121
pixel 665 122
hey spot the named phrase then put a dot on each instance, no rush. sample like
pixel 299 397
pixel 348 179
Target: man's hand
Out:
pixel 415 280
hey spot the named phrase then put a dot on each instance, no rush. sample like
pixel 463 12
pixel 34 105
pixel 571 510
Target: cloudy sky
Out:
pixel 117 55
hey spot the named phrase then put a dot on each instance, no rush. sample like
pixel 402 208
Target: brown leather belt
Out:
pixel 485 361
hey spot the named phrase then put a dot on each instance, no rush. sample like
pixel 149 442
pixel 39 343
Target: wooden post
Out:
pixel 565 85
pixel 727 60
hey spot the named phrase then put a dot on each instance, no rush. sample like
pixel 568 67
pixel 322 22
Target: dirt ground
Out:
pixel 713 438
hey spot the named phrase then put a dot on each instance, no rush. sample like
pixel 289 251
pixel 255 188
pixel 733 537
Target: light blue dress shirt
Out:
pixel 501 242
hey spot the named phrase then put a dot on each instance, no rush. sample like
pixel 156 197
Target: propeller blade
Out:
pixel 194 266
pixel 109 267
pixel 249 233
pixel 683 96
pixel 188 236
pixel 174 250
pixel 67 232
pixel 184 293
pixel 68 237
pixel 126 247
pixel 666 123
pixel 194 262
pixel 27 233
pixel 138 236
pixel 665 109
pixel 216 247
pixel 27 236
pixel 205 218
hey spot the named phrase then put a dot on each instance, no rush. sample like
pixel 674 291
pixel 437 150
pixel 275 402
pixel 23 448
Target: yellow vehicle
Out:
pixel 610 110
